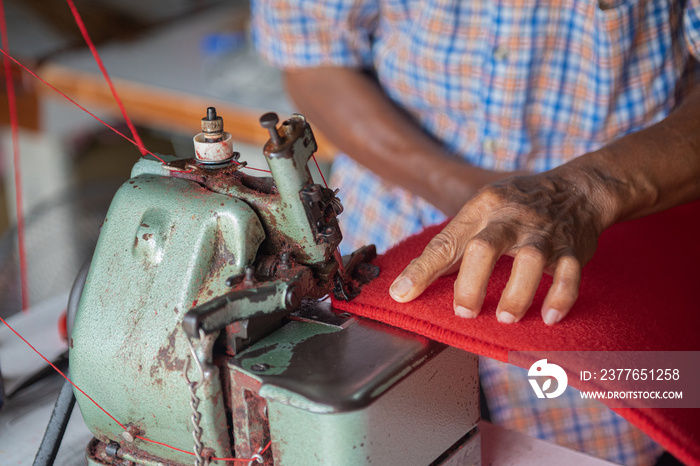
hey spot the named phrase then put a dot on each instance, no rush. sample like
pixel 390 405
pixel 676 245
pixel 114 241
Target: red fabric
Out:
pixel 638 293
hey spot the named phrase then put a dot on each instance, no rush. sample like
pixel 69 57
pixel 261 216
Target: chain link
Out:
pixel 196 427
pixel 194 402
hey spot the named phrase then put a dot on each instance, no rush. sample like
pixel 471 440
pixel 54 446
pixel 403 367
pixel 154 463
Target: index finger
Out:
pixel 441 256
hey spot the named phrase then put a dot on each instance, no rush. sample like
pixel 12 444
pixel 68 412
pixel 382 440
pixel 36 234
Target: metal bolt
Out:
pixel 284 260
pixel 269 122
pixel 249 276
pixel 112 449
pixel 212 126
pixel 130 433
pixel 293 298
pixel 259 367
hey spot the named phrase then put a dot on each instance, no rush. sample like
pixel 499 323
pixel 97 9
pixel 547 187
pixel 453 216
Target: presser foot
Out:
pixel 358 271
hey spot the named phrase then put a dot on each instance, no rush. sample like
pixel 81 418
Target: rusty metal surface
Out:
pixel 285 229
pixel 251 430
pixel 192 252
pixel 165 244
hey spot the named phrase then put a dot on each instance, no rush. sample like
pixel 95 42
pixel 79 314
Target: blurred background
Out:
pixel 169 60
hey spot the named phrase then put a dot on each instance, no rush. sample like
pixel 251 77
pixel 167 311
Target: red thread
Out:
pixel 58 370
pixel 319 170
pixel 336 253
pixel 50 86
pixel 192 454
pixel 78 105
pixel 8 56
pixel 164 445
pixel 258 169
pixel 93 49
pixel 104 410
pixel 20 224
pixel 14 124
pixel 251 168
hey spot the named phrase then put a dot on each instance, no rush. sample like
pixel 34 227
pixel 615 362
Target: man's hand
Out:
pixel 551 222
pixel 548 222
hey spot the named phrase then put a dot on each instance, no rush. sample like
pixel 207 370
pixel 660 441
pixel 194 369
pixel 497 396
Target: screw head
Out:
pixel 130 433
pixel 259 367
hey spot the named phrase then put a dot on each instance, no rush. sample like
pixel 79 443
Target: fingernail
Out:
pixel 462 311
pixel 552 316
pixel 506 318
pixel 401 287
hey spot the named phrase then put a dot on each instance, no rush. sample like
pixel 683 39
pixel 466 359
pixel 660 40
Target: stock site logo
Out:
pixel 543 370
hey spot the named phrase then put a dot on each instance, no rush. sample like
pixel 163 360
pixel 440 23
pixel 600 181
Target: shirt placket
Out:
pixel 496 56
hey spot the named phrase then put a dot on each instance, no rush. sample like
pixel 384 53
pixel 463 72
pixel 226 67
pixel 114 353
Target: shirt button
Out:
pixel 489 145
pixel 500 53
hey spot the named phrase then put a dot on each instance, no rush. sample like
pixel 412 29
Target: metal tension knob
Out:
pixel 212 126
pixel 213 145
pixel 269 122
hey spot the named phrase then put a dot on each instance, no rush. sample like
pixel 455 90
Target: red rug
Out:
pixel 640 292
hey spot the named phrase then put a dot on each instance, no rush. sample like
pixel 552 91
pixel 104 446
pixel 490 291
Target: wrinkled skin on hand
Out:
pixel 549 222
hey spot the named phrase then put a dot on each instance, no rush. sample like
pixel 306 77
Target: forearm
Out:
pixel 651 170
pixel 354 113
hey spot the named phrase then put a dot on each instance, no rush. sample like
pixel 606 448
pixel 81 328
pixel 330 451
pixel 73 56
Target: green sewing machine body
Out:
pixel 204 289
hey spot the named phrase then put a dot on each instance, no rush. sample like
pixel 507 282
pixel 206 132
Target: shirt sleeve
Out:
pixel 309 33
pixel 691 27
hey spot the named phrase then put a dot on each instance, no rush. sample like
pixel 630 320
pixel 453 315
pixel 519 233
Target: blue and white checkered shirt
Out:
pixel 503 84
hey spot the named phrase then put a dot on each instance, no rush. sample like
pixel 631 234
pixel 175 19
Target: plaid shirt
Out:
pixel 504 85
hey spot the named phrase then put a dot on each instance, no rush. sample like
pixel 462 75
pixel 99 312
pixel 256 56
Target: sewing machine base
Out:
pixel 395 398
pixel 466 452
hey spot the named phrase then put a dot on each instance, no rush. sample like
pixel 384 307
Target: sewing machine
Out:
pixel 200 326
